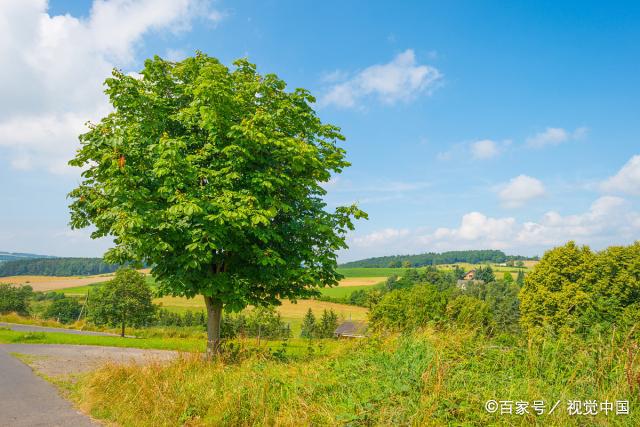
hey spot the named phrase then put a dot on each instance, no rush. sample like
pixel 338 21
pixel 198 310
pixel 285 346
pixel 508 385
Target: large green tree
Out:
pixel 556 292
pixel 573 288
pixel 213 177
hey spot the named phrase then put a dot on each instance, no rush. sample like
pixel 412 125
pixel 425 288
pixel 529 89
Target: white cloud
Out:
pixel 402 79
pixel 54 66
pixel 520 190
pixel 381 237
pixel 608 221
pixel 475 227
pixel 555 136
pixel 627 180
pixel 484 149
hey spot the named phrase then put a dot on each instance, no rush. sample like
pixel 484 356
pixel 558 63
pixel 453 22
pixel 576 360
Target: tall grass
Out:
pixel 427 378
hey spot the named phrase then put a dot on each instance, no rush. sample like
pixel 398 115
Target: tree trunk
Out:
pixel 214 316
pixel 122 333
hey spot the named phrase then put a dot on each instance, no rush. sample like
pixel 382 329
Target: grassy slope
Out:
pixel 344 291
pixel 433 378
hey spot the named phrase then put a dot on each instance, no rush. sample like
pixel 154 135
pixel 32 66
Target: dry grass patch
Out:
pixel 361 281
pixel 54 283
pixel 51 283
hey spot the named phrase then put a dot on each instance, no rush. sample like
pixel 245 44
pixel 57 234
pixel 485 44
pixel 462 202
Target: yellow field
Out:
pixel 53 283
pixel 287 310
pixel 361 281
pixel 50 283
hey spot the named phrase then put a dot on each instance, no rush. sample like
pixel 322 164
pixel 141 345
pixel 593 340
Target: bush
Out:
pixel 15 299
pixel 64 310
pixel 467 311
pixel 406 309
pixel 47 296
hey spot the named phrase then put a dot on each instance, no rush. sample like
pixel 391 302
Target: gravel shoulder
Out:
pixel 61 360
pixel 33 328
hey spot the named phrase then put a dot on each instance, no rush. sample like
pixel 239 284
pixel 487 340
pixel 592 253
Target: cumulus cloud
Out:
pixel 520 190
pixel 609 220
pixel 555 136
pixel 402 79
pixel 54 66
pixel 627 180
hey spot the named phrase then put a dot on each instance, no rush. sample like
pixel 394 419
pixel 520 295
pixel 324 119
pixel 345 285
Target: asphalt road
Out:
pixel 33 328
pixel 28 400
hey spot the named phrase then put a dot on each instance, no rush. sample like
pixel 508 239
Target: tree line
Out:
pixel 433 258
pixel 126 301
pixel 572 291
pixel 56 267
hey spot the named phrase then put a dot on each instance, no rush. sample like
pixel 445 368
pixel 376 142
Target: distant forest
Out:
pixel 432 258
pixel 13 256
pixel 56 267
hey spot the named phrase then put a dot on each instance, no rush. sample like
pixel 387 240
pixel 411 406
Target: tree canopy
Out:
pixel 125 300
pixel 213 177
pixel 572 288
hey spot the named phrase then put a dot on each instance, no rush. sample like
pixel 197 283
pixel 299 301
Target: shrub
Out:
pixel 467 311
pixel 64 310
pixel 15 299
pixel 409 308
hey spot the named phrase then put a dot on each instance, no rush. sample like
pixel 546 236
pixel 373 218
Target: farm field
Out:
pixel 291 313
pixel 51 283
pixel 356 278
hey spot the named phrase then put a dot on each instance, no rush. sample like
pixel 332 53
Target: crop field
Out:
pixel 51 283
pixel 361 281
pixel 290 312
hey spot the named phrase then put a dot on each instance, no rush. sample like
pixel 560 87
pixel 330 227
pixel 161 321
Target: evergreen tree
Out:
pixel 328 324
pixel 520 278
pixel 309 326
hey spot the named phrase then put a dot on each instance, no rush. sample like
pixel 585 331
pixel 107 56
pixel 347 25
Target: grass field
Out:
pixel 196 342
pixel 345 291
pixel 164 343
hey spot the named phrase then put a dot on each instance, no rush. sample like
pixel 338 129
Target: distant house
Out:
pixel 351 329
pixel 469 279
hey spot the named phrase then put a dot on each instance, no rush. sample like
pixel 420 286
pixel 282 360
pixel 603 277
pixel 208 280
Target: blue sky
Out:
pixel 468 124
